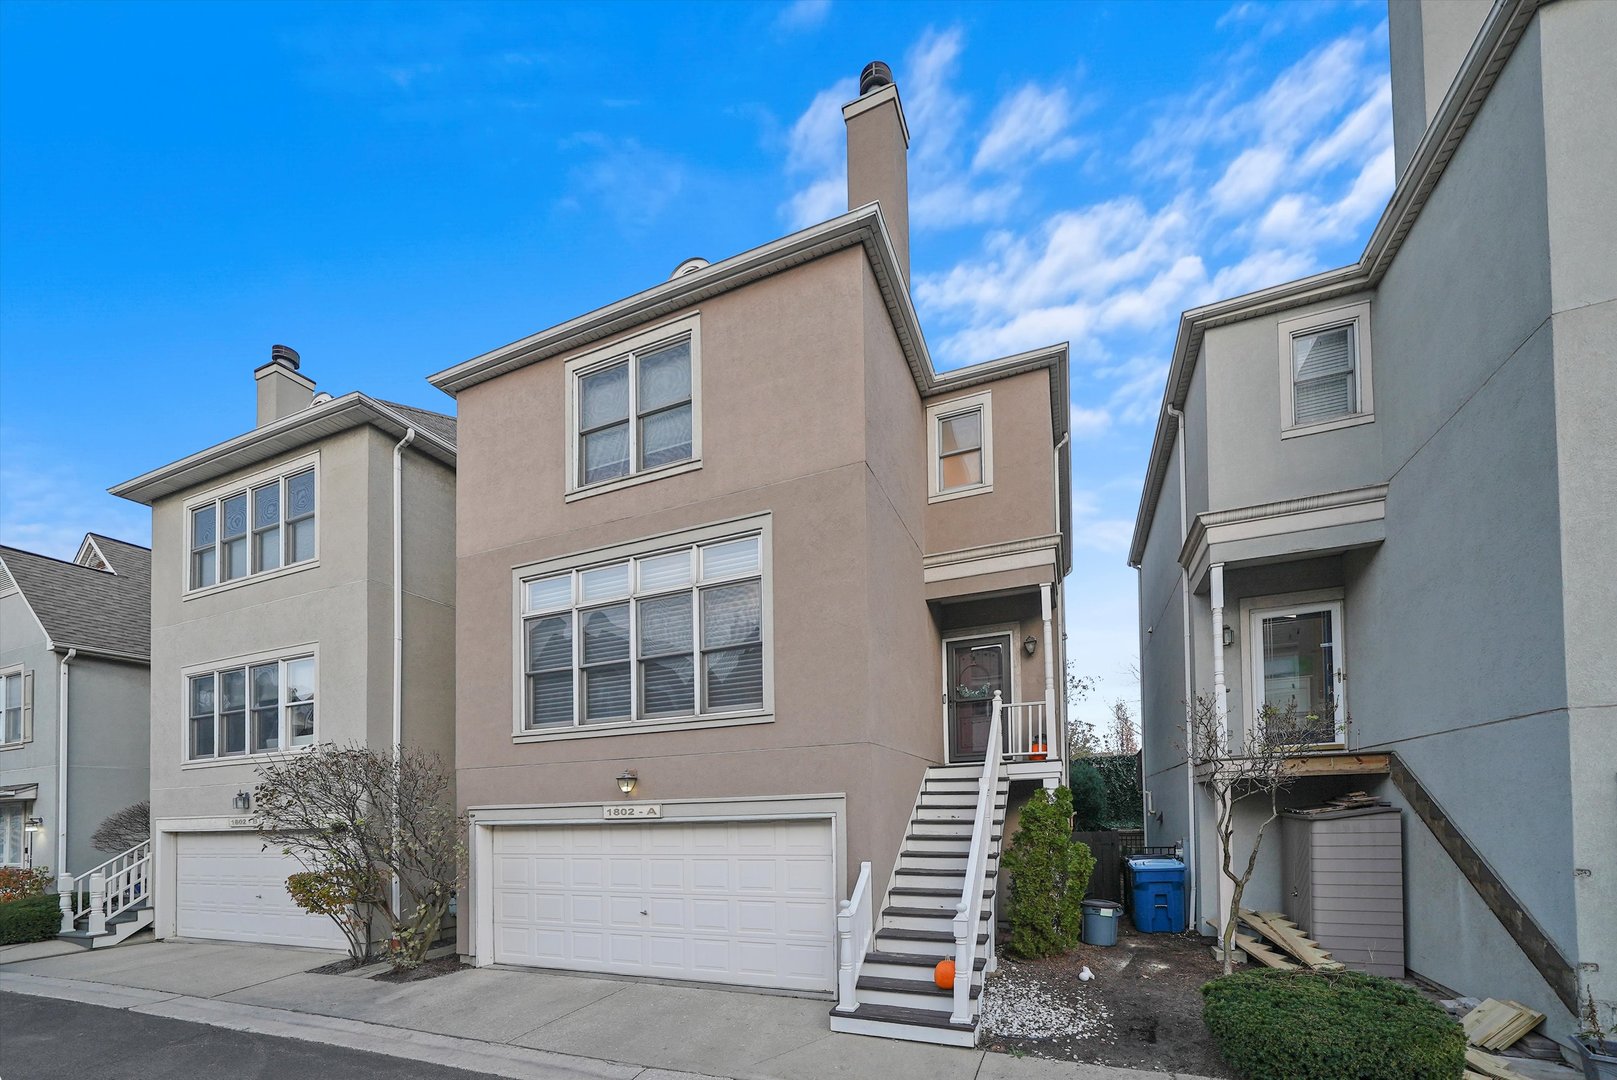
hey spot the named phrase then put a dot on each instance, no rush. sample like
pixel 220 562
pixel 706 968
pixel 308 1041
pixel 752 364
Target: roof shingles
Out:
pixel 81 607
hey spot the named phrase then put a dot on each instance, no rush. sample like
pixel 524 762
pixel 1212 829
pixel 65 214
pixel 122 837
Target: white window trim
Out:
pixel 1255 609
pixel 1357 314
pixel 1009 631
pixel 936 413
pixel 579 366
pixel 27 732
pixel 295 652
pixel 764 714
pixel 247 483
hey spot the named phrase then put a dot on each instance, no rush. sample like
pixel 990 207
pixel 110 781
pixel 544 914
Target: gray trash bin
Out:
pixel 1100 922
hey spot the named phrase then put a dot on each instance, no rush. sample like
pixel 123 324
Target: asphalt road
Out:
pixel 46 1039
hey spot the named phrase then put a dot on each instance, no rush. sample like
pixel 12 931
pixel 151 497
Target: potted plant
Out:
pixel 1596 1046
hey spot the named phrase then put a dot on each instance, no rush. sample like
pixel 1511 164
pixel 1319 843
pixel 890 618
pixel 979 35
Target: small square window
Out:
pixel 1325 371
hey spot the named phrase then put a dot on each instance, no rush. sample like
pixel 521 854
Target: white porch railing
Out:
pixel 968 913
pixel 1028 735
pixel 113 887
pixel 856 925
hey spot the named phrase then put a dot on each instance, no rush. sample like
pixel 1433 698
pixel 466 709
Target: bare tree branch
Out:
pixel 121 831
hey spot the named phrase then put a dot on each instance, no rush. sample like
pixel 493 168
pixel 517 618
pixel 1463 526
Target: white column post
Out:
pixel 98 904
pixel 845 979
pixel 965 958
pixel 1052 724
pixel 64 897
pixel 1220 707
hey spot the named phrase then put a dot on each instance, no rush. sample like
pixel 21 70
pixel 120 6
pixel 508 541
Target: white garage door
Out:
pixel 736 902
pixel 230 889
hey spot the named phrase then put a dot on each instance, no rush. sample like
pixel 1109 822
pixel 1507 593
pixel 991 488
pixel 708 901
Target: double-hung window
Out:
pixel 960 444
pixel 14 707
pixel 13 826
pixel 674 634
pixel 262 527
pixel 255 708
pixel 633 409
pixel 1325 365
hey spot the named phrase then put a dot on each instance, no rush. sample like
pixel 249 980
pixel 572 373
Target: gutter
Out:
pixel 61 762
pixel 398 618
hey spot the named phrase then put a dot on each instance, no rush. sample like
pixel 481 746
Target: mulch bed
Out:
pixel 339 967
pixel 443 965
pixel 1142 1010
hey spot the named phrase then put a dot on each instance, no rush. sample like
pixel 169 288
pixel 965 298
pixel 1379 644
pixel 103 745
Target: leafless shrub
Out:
pixel 121 831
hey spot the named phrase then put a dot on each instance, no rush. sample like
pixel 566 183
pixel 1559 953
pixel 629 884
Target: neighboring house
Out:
pixel 276 589
pixel 1388 492
pixel 74 656
pixel 734 547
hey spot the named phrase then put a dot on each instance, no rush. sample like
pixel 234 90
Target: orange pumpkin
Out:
pixel 943 974
pixel 1041 750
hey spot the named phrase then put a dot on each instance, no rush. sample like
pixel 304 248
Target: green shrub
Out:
pixel 1306 1025
pixel 36 918
pixel 1088 795
pixel 1049 873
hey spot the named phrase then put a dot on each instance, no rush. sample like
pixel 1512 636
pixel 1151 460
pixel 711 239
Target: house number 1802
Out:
pixel 631 810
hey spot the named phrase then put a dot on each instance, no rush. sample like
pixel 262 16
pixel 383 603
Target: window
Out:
pixel 960 443
pixel 15 706
pixel 676 633
pixel 256 708
pixel 633 410
pixel 263 527
pixel 1298 668
pixel 13 823
pixel 1325 360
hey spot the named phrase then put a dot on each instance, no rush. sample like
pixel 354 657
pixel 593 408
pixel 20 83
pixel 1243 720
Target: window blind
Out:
pixel 1322 375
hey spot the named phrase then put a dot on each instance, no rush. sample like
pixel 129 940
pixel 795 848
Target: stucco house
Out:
pixel 742 578
pixel 1386 493
pixel 302 592
pixel 74 654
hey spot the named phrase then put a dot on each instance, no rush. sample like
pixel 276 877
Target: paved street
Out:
pixel 43 1039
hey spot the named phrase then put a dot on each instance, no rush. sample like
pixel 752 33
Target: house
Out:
pixel 302 593
pixel 742 578
pixel 74 656
pixel 1386 493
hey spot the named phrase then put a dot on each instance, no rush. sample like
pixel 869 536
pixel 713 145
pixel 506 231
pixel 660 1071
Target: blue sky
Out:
pixel 391 189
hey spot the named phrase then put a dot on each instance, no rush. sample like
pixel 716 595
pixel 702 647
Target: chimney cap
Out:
pixel 285 355
pixel 875 76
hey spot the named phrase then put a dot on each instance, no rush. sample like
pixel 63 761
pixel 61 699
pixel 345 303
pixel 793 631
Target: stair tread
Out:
pixel 909 986
pixel 937 854
pixel 898 1014
pixel 915 960
pixel 914 890
pixel 942 872
pixel 900 934
pixel 925 913
pixel 946 836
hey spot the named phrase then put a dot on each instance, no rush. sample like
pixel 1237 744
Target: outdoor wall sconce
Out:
pixel 626 781
pixel 1229 636
pixel 34 824
pixel 1030 644
pixel 242 801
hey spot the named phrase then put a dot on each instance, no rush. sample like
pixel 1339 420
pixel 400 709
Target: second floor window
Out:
pixel 13 692
pixel 634 413
pixel 256 708
pixel 252 531
pixel 961 445
pixel 1324 374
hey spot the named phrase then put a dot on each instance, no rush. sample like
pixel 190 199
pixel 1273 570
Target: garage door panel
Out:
pixel 741 902
pixel 229 888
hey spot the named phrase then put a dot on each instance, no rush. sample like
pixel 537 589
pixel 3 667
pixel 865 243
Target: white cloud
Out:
pixel 1249 178
pixel 1089 423
pixel 47 506
pixel 631 182
pixel 802 15
pixel 1030 125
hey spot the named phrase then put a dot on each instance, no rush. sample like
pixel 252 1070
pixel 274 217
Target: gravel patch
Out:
pixel 1016 1006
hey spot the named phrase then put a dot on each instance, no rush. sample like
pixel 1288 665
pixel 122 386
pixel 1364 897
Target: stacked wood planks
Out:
pixel 1283 932
pixel 1488 1067
pixel 1496 1025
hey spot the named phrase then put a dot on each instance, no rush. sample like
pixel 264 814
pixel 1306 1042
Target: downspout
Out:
pixel 1190 765
pixel 1050 694
pixel 61 763
pixel 398 616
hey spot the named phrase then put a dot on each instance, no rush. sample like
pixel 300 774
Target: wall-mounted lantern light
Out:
pixel 242 801
pixel 1030 644
pixel 34 824
pixel 1229 636
pixel 626 781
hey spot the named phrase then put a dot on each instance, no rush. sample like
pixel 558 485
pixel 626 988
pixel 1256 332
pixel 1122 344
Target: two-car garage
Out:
pixel 746 902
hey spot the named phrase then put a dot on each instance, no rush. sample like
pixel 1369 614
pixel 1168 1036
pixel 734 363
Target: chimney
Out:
pixel 1428 41
pixel 282 391
pixel 878 140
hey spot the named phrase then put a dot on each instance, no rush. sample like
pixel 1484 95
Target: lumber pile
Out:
pixel 1497 1025
pixel 1488 1066
pixel 1353 800
pixel 1280 930
pixel 1264 955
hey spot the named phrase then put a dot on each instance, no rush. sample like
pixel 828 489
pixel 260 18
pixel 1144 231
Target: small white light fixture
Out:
pixel 627 780
pixel 1030 644
pixel 242 801
pixel 34 824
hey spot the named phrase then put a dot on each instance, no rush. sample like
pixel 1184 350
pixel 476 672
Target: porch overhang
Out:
pixel 18 792
pixel 1326 763
pixel 1312 526
pixel 992 568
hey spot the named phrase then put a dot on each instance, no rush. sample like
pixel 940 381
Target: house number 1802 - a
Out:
pixel 631 810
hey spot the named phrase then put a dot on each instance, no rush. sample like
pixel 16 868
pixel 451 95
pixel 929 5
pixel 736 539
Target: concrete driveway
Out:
pixel 599 1024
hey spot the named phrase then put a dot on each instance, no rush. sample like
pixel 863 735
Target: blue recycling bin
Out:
pixel 1157 894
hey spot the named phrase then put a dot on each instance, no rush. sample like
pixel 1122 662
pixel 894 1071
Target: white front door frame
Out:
pixel 1012 663
pixel 1258 609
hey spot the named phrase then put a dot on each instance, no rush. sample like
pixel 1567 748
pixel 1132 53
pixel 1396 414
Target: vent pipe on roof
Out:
pixel 878 145
pixel 282 389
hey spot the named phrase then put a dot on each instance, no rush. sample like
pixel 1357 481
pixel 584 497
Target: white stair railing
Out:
pixel 855 928
pixel 1027 732
pixel 118 884
pixel 968 913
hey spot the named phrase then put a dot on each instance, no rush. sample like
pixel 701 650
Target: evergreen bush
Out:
pixel 1312 1025
pixel 1049 873
pixel 34 918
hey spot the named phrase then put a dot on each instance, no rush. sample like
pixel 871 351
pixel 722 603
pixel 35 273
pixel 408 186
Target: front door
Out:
pixel 975 667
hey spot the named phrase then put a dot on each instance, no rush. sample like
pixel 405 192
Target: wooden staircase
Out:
pixel 107 905
pixel 895 994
